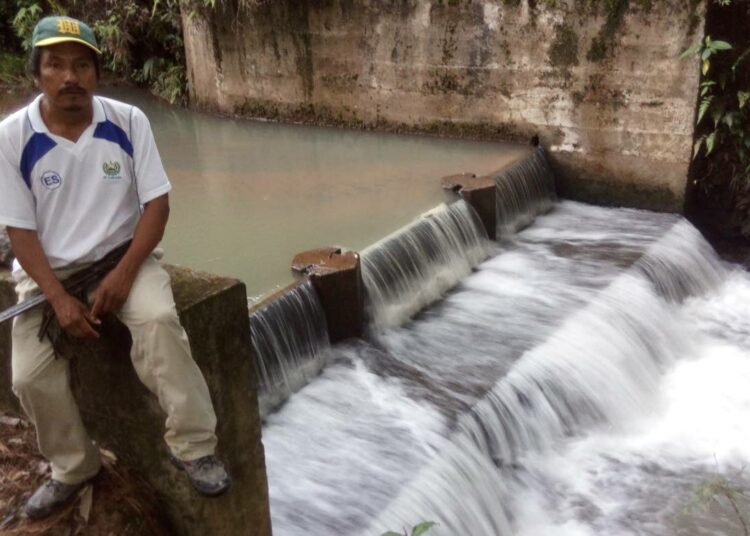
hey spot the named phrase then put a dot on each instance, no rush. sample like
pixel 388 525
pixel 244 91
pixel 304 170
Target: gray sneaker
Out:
pixel 206 474
pixel 50 497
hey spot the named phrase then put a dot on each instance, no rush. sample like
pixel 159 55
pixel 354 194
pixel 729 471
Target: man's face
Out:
pixel 67 76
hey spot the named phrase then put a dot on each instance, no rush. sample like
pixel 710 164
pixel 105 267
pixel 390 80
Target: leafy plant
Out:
pixel 711 491
pixel 723 124
pixel 26 18
pixel 12 70
pixel 165 78
pixel 418 530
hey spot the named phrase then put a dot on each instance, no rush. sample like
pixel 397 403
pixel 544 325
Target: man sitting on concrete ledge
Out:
pixel 79 177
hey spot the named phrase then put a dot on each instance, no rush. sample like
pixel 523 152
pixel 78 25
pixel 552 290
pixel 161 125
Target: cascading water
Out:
pixel 585 380
pixel 290 341
pixel 415 266
pixel 524 190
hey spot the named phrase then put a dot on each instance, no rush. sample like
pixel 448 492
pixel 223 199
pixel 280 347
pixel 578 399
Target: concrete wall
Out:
pixel 124 417
pixel 602 85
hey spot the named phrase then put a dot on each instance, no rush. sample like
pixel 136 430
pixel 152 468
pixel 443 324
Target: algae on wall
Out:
pixel 597 79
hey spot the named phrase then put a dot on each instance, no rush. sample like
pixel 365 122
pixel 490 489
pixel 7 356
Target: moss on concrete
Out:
pixel 563 52
pixel 7 299
pixel 602 46
pixel 347 118
pixel 602 190
pixel 122 415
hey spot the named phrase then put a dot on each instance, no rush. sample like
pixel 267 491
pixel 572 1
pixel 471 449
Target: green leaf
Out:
pixel 422 528
pixel 391 533
pixel 705 105
pixel 707 52
pixel 717 114
pixel 705 66
pixel 721 45
pixel 706 87
pixel 710 141
pixel 691 51
pixel 743 97
pixel 742 58
pixel 697 146
pixel 728 120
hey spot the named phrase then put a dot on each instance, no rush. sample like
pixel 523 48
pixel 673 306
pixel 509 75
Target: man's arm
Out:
pixel 115 287
pixel 73 316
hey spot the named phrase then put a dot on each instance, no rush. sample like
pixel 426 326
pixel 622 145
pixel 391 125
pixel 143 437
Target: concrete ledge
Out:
pixel 125 417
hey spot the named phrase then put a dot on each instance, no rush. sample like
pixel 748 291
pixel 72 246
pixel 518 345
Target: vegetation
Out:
pixel 418 530
pixel 141 40
pixel 715 490
pixel 722 145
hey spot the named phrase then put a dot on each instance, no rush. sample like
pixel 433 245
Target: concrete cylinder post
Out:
pixel 337 278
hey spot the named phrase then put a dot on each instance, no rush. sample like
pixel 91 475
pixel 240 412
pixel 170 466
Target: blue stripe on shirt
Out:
pixel 107 130
pixel 38 145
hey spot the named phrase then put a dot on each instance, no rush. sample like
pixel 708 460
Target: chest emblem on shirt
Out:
pixel 111 170
pixel 51 180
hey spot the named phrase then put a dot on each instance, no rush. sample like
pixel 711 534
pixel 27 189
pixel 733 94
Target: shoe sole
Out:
pixel 212 494
pixel 60 505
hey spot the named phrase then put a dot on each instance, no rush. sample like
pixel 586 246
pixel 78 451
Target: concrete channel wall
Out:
pixel 125 418
pixel 600 82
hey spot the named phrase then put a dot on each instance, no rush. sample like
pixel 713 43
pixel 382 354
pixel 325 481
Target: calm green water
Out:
pixel 249 195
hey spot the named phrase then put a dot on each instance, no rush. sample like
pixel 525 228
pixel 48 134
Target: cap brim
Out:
pixel 55 40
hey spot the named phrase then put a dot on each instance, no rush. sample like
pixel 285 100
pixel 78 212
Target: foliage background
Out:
pixel 141 40
pixel 718 196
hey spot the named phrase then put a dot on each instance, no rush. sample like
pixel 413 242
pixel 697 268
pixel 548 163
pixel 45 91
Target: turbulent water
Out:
pixel 413 267
pixel 290 344
pixel 524 190
pixel 589 378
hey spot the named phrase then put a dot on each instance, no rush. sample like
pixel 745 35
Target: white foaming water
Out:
pixel 524 190
pixel 291 345
pixel 414 267
pixel 562 389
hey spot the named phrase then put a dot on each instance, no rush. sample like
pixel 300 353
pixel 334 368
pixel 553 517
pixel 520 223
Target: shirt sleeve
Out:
pixel 151 179
pixel 17 206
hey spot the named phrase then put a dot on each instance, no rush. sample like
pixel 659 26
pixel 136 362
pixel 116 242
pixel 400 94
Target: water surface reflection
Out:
pixel 249 195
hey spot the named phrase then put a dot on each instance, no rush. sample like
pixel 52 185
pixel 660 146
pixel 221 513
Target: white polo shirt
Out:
pixel 82 198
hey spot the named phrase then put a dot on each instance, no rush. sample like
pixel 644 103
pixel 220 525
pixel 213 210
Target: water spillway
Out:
pixel 413 267
pixel 583 379
pixel 524 190
pixel 290 342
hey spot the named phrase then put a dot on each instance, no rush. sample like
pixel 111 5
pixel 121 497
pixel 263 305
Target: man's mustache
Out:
pixel 72 90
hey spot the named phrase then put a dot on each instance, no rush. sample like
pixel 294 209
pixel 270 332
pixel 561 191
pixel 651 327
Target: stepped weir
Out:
pixel 533 385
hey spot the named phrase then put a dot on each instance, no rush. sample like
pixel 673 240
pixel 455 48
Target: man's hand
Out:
pixel 111 293
pixel 114 289
pixel 74 317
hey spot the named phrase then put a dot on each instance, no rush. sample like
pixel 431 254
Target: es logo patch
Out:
pixel 111 170
pixel 51 180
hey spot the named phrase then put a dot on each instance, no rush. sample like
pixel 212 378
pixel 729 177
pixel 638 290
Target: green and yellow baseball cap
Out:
pixel 53 30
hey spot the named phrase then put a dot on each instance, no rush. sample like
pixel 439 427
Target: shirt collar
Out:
pixel 37 123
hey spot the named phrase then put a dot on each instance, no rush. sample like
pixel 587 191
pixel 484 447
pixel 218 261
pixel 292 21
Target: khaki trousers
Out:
pixel 162 360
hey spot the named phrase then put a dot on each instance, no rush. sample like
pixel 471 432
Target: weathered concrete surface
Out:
pixel 480 193
pixel 125 417
pixel 7 298
pixel 337 278
pixel 6 253
pixel 602 85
